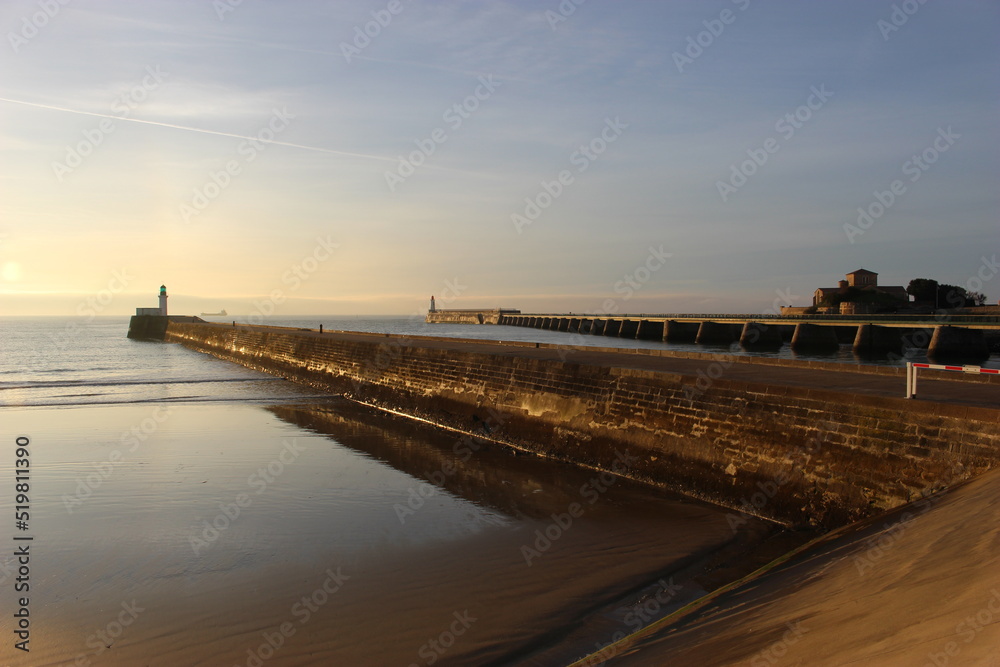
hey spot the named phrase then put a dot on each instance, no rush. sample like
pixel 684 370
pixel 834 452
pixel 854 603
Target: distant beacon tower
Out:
pixel 163 299
pixel 433 309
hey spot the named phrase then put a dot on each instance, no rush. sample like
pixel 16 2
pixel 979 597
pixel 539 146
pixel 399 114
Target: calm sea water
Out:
pixel 188 511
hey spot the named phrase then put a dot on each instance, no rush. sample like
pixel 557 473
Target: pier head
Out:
pixel 472 316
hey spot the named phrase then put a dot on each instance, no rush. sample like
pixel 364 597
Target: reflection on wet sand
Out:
pixel 628 520
pixel 493 558
pixel 467 466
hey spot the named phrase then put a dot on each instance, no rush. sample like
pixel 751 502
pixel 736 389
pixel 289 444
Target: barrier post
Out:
pixel 913 368
pixel 911 380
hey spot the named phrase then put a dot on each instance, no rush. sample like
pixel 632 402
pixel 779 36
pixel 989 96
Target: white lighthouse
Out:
pixel 163 299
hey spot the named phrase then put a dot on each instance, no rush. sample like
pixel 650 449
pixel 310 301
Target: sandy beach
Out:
pixel 918 586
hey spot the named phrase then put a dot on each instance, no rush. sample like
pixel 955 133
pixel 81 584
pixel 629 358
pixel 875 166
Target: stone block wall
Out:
pixel 791 454
pixel 466 316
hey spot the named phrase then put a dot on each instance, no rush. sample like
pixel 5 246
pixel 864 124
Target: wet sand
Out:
pixel 377 541
pixel 918 586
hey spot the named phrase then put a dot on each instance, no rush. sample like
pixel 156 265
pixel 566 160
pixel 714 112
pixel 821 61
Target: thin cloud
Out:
pixel 201 130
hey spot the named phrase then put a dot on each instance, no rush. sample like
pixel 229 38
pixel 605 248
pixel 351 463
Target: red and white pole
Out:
pixel 913 368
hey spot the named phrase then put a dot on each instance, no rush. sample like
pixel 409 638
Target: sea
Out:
pixel 164 507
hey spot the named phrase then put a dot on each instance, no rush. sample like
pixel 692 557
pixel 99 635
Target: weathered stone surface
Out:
pixel 492 316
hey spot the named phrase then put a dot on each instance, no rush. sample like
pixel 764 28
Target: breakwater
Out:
pixel 154 327
pixel 778 445
pixel 470 316
pixel 948 335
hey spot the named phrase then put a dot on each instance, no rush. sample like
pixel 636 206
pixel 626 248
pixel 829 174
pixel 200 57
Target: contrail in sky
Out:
pixel 200 130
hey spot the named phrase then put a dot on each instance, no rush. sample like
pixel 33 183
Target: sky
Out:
pixel 357 157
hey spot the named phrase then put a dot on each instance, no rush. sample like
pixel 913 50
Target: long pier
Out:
pixel 942 335
pixel 717 427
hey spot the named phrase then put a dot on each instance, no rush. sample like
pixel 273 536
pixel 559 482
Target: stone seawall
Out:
pixel 491 316
pixel 792 454
pixel 154 327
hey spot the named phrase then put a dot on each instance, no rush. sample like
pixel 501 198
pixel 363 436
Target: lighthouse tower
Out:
pixel 163 299
pixel 433 309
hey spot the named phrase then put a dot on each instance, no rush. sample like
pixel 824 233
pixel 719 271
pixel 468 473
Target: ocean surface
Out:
pixel 182 510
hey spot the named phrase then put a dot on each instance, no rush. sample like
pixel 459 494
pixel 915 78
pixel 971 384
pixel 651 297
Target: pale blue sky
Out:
pixel 203 80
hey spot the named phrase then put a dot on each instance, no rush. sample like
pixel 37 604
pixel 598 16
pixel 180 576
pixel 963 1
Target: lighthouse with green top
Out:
pixel 163 299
